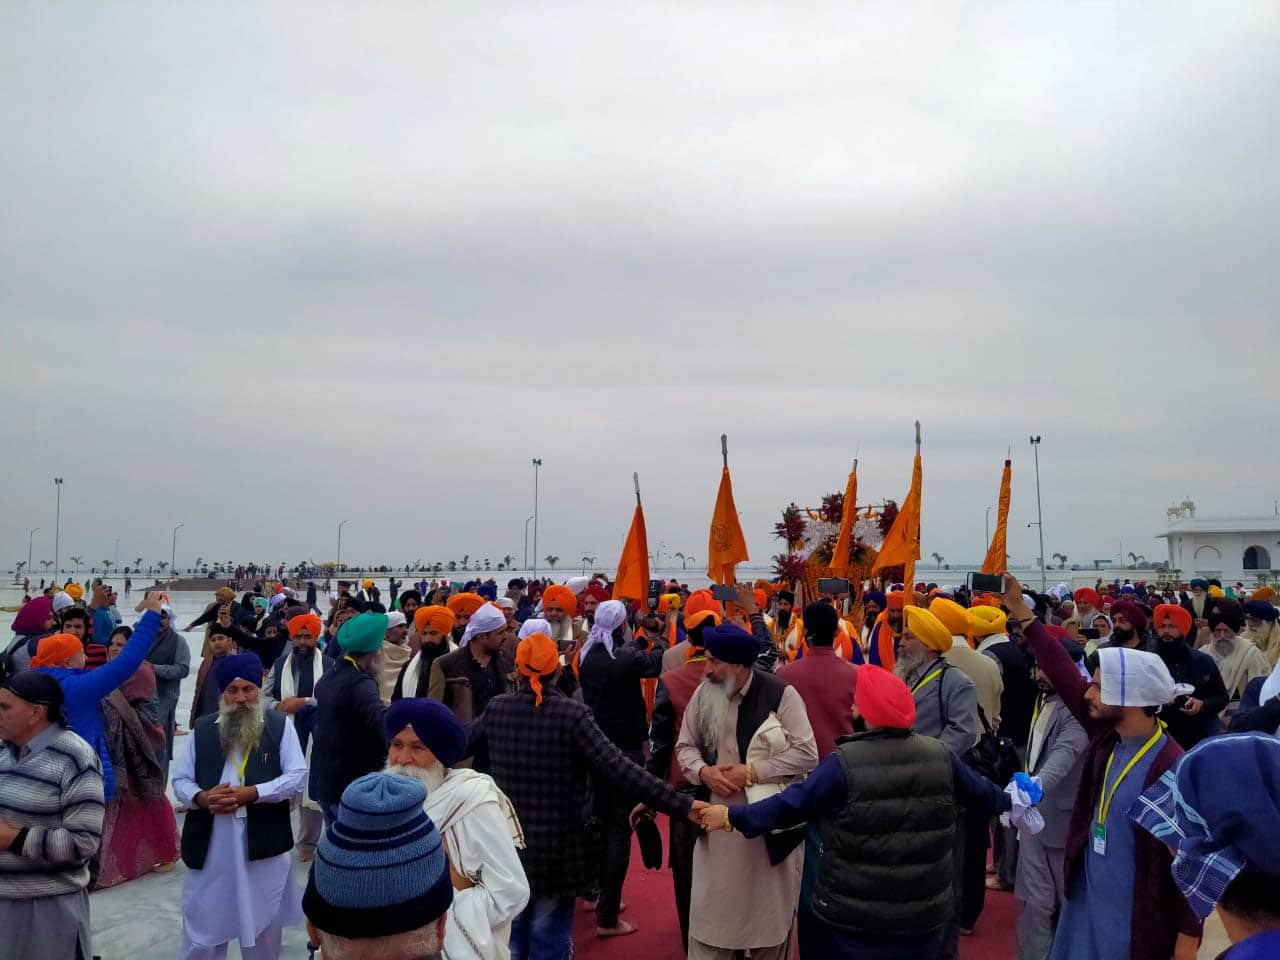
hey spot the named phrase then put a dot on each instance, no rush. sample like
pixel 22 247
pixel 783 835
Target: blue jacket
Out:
pixel 83 690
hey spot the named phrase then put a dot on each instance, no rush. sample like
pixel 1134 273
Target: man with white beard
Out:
pixel 476 820
pixel 1239 660
pixel 743 727
pixel 242 768
pixel 558 608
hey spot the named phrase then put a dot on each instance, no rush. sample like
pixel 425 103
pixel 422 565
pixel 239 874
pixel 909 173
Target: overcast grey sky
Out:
pixel 265 268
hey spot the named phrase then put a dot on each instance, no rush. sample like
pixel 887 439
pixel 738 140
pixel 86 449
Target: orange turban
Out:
pixel 465 603
pixel 1172 613
pixel 895 601
pixel 700 605
pixel 308 622
pixel 1264 593
pixel 74 591
pixel 761 598
pixel 438 618
pixel 562 596
pixel 56 650
pixel 537 656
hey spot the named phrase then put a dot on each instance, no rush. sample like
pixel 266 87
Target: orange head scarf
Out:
pixel 465 603
pixel 56 650
pixel 308 622
pixel 434 616
pixel 895 601
pixel 537 656
pixel 562 596
pixel 1172 613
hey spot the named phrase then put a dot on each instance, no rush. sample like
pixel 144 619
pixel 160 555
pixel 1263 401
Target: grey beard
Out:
pixel 712 710
pixel 430 777
pixel 241 726
pixel 906 666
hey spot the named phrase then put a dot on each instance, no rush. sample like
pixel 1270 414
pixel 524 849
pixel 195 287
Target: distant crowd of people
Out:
pixel 464 767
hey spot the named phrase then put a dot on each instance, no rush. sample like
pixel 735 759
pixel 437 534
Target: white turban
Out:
pixel 610 615
pixel 1136 678
pixel 395 619
pixel 485 620
pixel 506 603
pixel 577 584
pixel 61 601
pixel 276 600
pixel 1061 592
pixel 536 625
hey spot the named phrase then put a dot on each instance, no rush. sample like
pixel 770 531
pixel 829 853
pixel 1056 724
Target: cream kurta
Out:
pixel 740 900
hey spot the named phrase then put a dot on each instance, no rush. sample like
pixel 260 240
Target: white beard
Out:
pixel 905 665
pixel 713 707
pixel 430 777
pixel 241 726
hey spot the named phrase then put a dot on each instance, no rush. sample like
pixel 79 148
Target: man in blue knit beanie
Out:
pixel 379 886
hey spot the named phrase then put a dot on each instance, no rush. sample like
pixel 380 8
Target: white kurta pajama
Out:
pixel 739 900
pixel 480 832
pixel 233 898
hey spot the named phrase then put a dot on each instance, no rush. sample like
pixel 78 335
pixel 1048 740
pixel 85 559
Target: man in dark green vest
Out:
pixel 884 803
pixel 242 768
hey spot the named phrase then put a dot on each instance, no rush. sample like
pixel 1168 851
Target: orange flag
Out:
pixel 902 543
pixel 726 546
pixel 632 580
pixel 840 552
pixel 997 554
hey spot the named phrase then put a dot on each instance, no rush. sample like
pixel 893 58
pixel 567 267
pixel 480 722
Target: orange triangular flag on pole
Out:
pixel 902 543
pixel 840 552
pixel 727 547
pixel 632 579
pixel 998 553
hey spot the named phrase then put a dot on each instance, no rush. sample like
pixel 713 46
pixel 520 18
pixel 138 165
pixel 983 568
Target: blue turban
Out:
pixel 1261 610
pixel 1199 583
pixel 488 590
pixel 874 596
pixel 730 644
pixel 238 666
pixel 435 725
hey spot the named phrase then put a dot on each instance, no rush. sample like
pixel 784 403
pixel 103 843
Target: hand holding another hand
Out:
pixel 714 816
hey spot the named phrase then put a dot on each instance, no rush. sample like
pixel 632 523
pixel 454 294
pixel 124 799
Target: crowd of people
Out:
pixel 463 769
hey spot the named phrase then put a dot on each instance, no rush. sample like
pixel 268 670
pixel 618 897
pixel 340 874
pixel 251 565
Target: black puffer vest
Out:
pixel 886 855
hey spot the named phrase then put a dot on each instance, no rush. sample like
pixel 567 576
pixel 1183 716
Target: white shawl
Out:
pixel 289 688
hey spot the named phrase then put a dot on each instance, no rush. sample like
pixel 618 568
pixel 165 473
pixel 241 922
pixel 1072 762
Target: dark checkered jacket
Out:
pixel 543 758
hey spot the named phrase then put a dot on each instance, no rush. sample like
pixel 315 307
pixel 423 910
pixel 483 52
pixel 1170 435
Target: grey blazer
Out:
pixel 1058 766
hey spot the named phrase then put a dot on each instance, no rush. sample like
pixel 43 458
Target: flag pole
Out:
pixel 917 438
pixel 636 479
pixel 724 448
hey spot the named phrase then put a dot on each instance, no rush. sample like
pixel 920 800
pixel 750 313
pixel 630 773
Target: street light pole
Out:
pixel 537 462
pixel 526 543
pixel 1035 448
pixel 173 553
pixel 987 526
pixel 338 563
pixel 30 537
pixel 116 561
pixel 57 531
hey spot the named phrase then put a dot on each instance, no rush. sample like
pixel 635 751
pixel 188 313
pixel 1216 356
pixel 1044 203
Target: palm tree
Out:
pixel 1062 560
pixel 466 561
pixel 18 568
pixel 486 563
pixel 938 558
pixel 1135 557
pixel 586 562
pixel 552 560
pixel 508 560
pixel 76 561
pixel 137 563
pixel 453 565
pixel 161 565
pixel 46 564
pixel 683 560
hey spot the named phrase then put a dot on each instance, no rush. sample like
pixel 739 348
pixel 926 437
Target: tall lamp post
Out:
pixel 987 526
pixel 526 542
pixel 173 553
pixel 30 536
pixel 1035 449
pixel 537 462
pixel 338 563
pixel 57 531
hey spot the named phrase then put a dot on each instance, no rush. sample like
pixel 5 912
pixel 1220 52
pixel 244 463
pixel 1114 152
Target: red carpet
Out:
pixel 651 906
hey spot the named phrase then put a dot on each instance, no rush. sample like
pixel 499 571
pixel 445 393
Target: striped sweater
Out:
pixel 54 796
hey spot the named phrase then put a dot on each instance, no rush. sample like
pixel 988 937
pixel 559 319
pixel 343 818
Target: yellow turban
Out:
pixel 927 628
pixel 74 591
pixel 987 621
pixel 951 615
pixel 366 583
pixel 1216 591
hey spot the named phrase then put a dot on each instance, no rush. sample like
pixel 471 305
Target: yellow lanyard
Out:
pixel 919 686
pixel 351 660
pixel 1104 801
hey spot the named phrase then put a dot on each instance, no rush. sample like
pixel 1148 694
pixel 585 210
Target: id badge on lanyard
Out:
pixel 1100 839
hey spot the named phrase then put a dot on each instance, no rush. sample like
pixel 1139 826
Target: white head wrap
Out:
pixel 1271 688
pixel 1061 592
pixel 577 584
pixel 506 603
pixel 396 619
pixel 610 615
pixel 484 620
pixel 61 601
pixel 535 625
pixel 276 600
pixel 1136 678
